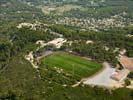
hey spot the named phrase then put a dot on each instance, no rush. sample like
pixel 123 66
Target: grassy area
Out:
pixel 19 81
pixel 72 64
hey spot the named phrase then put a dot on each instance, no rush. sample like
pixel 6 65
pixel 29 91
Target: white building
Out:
pixel 57 42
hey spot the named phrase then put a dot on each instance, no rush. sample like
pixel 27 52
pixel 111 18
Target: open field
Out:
pixel 68 7
pixel 60 9
pixel 72 64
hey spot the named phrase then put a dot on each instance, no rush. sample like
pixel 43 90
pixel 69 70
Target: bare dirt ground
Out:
pixel 103 78
pixel 60 9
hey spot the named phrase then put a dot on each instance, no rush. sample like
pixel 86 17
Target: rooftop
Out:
pixel 120 75
pixel 126 62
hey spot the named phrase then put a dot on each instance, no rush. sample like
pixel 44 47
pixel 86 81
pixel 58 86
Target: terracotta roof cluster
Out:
pixel 126 62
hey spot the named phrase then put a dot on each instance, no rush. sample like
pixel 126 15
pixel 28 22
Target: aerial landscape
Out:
pixel 66 49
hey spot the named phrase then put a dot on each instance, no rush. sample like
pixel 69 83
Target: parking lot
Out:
pixel 103 78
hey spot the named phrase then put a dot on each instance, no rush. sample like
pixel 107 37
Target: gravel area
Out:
pixel 103 78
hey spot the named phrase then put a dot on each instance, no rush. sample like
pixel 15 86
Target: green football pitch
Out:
pixel 72 64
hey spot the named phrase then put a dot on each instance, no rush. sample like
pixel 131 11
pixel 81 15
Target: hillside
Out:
pixel 68 40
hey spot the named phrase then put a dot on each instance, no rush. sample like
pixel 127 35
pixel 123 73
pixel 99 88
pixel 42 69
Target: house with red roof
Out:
pixel 127 64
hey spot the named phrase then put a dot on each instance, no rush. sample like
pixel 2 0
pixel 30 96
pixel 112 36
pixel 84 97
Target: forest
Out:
pixel 101 41
pixel 20 81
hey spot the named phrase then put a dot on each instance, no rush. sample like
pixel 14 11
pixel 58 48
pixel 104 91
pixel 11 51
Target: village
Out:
pixel 94 23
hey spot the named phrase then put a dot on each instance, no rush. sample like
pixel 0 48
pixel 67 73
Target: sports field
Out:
pixel 72 64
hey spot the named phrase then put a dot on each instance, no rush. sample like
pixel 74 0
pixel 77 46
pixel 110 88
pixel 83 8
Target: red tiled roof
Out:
pixel 126 62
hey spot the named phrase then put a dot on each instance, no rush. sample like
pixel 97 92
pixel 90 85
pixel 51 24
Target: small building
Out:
pixel 120 75
pixel 57 42
pixel 30 57
pixel 89 42
pixel 123 51
pixel 41 43
pixel 126 62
